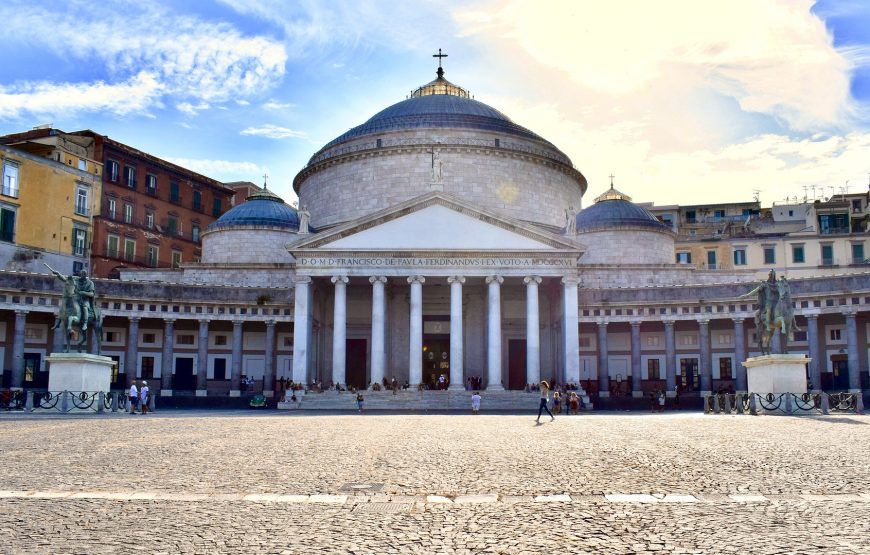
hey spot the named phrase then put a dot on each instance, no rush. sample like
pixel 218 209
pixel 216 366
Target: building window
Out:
pixel 797 254
pixel 79 241
pixel 653 369
pixel 82 201
pixel 740 257
pixel 112 246
pixel 856 205
pixel 684 258
pixel 833 223
pixel 216 208
pixel 857 253
pixel 128 213
pixel 130 176
pixel 83 165
pixel 10 179
pixel 173 192
pixel 78 266
pixel 172 225
pixel 151 184
pixel 828 255
pixel 151 256
pixel 719 214
pixel 691 218
pixel 185 339
pixel 129 249
pixel 194 232
pixel 148 365
pixel 197 200
pixel 220 340
pixel 149 220
pixel 176 259
pixel 585 342
pixel 7 224
pixel 800 336
pixel 711 260
pixel 652 341
pixel 112 170
pixel 769 255
pixel 149 338
pixel 836 334
pixel 725 369
pixel 111 208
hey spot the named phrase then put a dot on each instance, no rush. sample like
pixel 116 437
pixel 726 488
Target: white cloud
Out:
pixel 272 132
pixel 191 62
pixel 222 170
pixel 192 109
pixel 275 105
pixel 242 102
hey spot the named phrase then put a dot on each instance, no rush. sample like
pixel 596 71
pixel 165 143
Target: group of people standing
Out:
pixel 139 397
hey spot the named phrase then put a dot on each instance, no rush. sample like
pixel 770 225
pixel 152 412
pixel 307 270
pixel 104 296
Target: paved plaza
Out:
pixel 198 482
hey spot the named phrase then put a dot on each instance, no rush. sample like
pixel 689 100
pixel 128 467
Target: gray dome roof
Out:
pixel 617 213
pixel 263 208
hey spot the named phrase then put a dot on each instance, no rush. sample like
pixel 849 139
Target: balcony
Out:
pixel 835 231
pixel 828 262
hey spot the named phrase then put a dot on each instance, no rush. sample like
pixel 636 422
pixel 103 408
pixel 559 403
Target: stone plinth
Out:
pixel 79 372
pixel 777 374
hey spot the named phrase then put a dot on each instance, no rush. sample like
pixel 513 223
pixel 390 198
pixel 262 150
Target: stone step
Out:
pixel 422 400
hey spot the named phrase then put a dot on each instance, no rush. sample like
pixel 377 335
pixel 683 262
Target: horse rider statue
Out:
pixel 783 315
pixel 767 300
pixel 78 310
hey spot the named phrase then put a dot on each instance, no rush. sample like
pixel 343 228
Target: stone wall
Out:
pixel 510 183
pixel 241 245
pixel 262 275
pixel 24 259
pixel 627 246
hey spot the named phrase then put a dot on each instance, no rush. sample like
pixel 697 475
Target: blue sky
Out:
pixel 686 102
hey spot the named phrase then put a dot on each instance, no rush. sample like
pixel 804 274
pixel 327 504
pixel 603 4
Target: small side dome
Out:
pixel 614 210
pixel 262 208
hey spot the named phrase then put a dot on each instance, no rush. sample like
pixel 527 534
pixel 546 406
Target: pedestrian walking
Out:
pixel 475 403
pixel 662 401
pixel 359 401
pixel 143 398
pixel 134 398
pixel 557 402
pixel 545 393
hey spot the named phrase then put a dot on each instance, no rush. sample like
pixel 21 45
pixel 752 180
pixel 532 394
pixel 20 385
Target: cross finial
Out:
pixel 611 176
pixel 439 55
pixel 265 177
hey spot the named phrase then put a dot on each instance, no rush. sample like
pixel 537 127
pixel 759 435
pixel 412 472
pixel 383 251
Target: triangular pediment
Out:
pixel 435 222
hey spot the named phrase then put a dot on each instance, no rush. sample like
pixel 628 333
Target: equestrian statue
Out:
pixel 78 311
pixel 775 314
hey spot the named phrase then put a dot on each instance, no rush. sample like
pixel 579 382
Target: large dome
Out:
pixel 263 208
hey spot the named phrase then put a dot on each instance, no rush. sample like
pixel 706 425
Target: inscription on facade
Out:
pixel 439 262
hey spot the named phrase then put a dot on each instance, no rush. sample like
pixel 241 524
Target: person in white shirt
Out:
pixel 143 398
pixel 475 403
pixel 134 398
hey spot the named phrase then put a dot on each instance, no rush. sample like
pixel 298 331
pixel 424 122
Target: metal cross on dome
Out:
pixel 439 55
pixel 265 177
pixel 611 176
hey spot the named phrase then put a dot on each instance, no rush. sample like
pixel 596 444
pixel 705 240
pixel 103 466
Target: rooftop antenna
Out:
pixel 756 195
pixel 813 187
pixel 847 186
pixel 831 187
pixel 805 192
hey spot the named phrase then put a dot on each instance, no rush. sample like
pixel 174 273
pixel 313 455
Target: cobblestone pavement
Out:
pixel 232 483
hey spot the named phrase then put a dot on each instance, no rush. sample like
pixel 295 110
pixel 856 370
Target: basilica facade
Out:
pixel 437 244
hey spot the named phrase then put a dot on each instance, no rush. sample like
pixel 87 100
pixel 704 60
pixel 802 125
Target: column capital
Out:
pixel 238 323
pixel 494 279
pixel 703 321
pixel 133 319
pixel 669 322
pixel 602 322
pixel 812 316
pixel 339 279
pixel 20 312
pixel 456 279
pixel 738 320
pixel 571 281
pixel 378 279
pixel 169 321
pixel 416 279
pixel 849 313
pixel 636 323
pixel 270 323
pixel 205 321
pixel 302 280
pixel 532 279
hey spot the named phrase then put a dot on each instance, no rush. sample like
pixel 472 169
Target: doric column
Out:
pixel 131 361
pixel 813 351
pixel 636 390
pixel 18 349
pixel 379 308
pixel 852 349
pixel 339 330
pixel 603 371
pixel 740 353
pixel 168 351
pixel 202 360
pixel 457 372
pixel 415 349
pixel 301 328
pixel 236 376
pixel 570 329
pixel 706 366
pixel 269 370
pixel 533 331
pixel 671 358
pixel 493 343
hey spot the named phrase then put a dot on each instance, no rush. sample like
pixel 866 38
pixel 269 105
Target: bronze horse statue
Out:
pixel 70 317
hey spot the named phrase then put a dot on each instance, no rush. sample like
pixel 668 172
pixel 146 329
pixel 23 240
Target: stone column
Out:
pixel 603 373
pixel 533 331
pixel 740 353
pixel 269 370
pixel 301 328
pixel 18 349
pixel 202 360
pixel 131 361
pixel 379 308
pixel 457 355
pixel 706 366
pixel 339 330
pixel 636 390
pixel 570 329
pixel 852 349
pixel 236 376
pixel 671 358
pixel 415 350
pixel 813 351
pixel 493 327
pixel 166 364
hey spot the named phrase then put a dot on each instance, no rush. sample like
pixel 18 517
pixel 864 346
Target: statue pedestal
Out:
pixel 79 372
pixel 777 374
